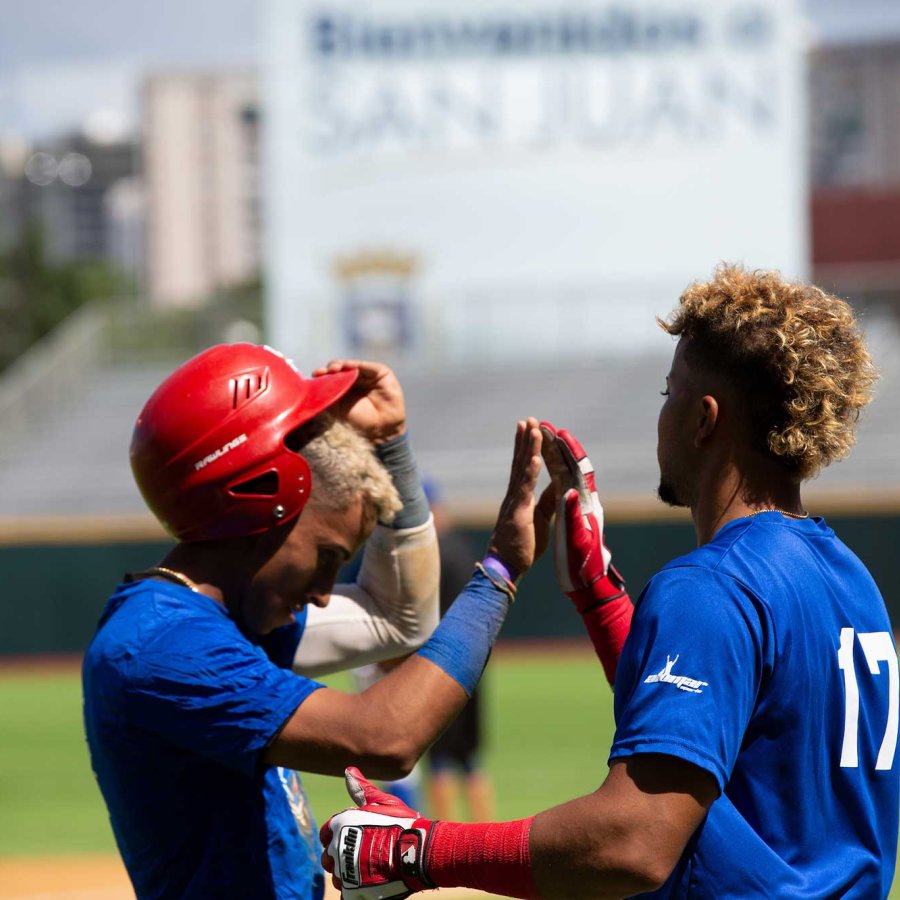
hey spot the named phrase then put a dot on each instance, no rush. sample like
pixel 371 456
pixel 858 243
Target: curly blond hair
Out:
pixel 795 352
pixel 344 465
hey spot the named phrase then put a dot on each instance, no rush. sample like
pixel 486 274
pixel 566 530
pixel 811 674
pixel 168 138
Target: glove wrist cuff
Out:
pixel 605 589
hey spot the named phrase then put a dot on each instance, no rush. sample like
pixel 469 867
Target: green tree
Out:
pixel 36 294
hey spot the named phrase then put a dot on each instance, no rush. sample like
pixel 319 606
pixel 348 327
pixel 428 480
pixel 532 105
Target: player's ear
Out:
pixel 707 420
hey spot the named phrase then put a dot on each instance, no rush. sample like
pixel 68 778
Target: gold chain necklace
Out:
pixel 784 512
pixel 163 572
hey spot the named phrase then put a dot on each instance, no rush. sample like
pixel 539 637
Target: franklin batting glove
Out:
pixel 378 851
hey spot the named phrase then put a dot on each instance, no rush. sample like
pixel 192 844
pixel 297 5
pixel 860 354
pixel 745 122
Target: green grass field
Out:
pixel 549 726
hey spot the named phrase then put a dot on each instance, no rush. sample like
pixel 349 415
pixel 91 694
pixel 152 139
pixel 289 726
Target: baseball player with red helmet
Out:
pixel 199 700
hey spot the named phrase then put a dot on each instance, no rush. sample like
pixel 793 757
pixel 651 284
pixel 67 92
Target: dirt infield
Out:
pixel 64 878
pixel 103 878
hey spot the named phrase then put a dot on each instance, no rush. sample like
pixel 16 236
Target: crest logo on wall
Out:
pixel 377 294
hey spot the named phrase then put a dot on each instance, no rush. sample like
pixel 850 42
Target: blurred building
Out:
pixel 125 226
pixel 64 184
pixel 72 206
pixel 13 154
pixel 201 176
pixel 855 169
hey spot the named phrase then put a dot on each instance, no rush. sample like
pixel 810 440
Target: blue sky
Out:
pixel 65 61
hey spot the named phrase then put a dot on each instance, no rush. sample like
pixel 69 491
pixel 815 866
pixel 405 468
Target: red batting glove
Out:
pixel 378 851
pixel 582 560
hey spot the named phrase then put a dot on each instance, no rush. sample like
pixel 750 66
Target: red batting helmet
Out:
pixel 208 450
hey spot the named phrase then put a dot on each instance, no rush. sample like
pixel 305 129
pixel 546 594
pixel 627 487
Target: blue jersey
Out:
pixel 766 658
pixel 178 705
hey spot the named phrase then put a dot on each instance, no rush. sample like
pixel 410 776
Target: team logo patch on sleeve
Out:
pixel 682 682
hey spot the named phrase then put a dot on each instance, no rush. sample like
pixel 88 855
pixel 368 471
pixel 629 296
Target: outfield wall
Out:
pixel 55 581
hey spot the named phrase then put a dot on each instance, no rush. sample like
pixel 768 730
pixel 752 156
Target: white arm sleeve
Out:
pixel 390 611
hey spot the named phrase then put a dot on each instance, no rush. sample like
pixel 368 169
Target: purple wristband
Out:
pixel 493 563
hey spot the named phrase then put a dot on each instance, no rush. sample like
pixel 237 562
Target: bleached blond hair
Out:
pixel 344 466
pixel 795 352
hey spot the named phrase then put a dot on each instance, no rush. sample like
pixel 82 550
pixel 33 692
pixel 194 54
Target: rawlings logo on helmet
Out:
pixel 216 454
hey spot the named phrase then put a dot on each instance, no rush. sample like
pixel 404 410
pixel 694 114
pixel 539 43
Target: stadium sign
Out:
pixel 547 164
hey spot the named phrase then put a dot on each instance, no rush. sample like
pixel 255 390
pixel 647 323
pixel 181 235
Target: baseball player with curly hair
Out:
pixel 200 702
pixel 757 692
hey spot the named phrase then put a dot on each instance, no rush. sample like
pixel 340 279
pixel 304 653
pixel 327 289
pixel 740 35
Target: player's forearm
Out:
pixel 549 856
pixel 433 685
pixel 404 713
pixel 626 837
pixel 621 840
pixel 387 727
pixel 577 853
pixel 444 673
pixel 520 859
pixel 394 605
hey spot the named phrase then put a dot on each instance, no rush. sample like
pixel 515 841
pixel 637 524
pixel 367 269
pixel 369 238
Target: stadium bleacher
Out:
pixel 72 459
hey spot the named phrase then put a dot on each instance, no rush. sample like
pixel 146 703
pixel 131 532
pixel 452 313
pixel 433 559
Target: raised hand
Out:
pixel 378 851
pixel 522 531
pixel 375 404
pixel 582 561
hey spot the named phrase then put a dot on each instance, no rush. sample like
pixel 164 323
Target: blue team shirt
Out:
pixel 766 658
pixel 178 705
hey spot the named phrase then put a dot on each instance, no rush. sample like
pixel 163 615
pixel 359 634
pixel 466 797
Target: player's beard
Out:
pixel 676 488
pixel 669 495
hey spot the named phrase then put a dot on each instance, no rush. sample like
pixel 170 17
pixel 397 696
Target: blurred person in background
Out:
pixel 196 724
pixel 756 695
pixel 454 759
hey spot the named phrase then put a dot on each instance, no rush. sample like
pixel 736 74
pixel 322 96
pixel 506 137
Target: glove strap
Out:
pixel 412 850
